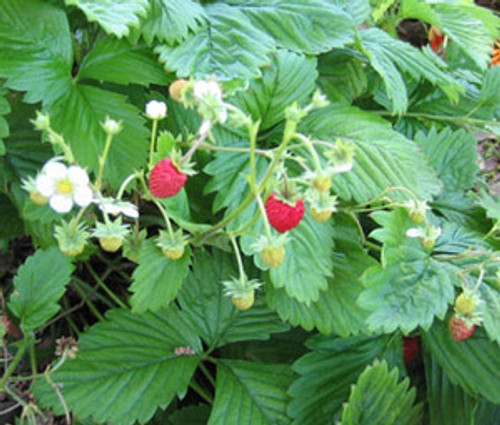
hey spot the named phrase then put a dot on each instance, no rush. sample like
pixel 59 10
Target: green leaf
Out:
pixel 171 20
pixel 37 54
pixel 157 279
pixel 78 116
pixel 469 28
pixel 114 16
pixel 383 157
pixel 337 309
pixel 250 393
pixel 118 61
pixel 229 171
pixel 409 292
pixel 191 415
pixel 4 125
pixel 213 314
pixel 378 399
pixel 387 54
pixel 309 26
pixel 473 364
pixel 449 404
pixel 126 367
pixel 359 10
pixel 491 311
pixel 39 284
pixel 328 372
pixel 307 263
pixel 228 47
pixel 453 154
pixel 291 78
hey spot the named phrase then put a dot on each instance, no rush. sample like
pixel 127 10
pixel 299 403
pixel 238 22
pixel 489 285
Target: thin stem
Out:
pixel 108 291
pixel 102 161
pixel 34 367
pixel 373 246
pixel 77 219
pixel 207 374
pixel 201 392
pixel 206 146
pixel 479 280
pixel 464 120
pixel 165 217
pixel 152 146
pixel 125 184
pixel 238 256
pixel 308 144
pixel 193 148
pixel 13 365
pixel 262 209
pixel 89 303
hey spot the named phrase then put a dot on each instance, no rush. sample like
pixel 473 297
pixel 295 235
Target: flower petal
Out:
pixel 130 211
pixel 83 196
pixel 61 203
pixel 56 170
pixel 45 185
pixel 78 176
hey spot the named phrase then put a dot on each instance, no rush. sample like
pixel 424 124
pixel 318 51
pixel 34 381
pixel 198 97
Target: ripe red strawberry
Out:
pixel 283 216
pixel 410 348
pixel 165 179
pixel 459 329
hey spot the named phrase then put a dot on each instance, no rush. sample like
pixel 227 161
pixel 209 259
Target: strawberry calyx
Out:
pixel 172 245
pixel 241 290
pixel 271 249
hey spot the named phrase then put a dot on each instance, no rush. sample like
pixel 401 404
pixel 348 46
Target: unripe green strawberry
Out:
pixel 319 215
pixel 465 305
pixel 71 237
pixel 273 256
pixel 323 184
pixel 110 243
pixel 173 253
pixel 38 198
pixel 74 251
pixel 244 302
pixel 459 330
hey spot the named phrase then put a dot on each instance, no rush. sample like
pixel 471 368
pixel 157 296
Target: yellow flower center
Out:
pixel 64 187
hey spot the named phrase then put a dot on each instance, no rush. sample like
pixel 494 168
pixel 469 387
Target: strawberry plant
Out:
pixel 249 212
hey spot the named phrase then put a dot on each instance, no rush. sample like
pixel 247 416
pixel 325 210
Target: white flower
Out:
pixel 207 89
pixel 156 110
pixel 64 186
pixel 205 127
pixel 414 233
pixel 343 168
pixel 115 207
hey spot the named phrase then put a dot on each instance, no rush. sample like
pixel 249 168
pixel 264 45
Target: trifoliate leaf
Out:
pixel 328 372
pixel 157 279
pixel 229 47
pixel 118 61
pixel 378 399
pixel 454 156
pixel 408 292
pixel 387 54
pixel 337 309
pixel 309 26
pixel 39 284
pixel 383 157
pixel 37 55
pixel 171 20
pixel 126 367
pixel 307 265
pixel 116 17
pixel 290 78
pixel 473 364
pixel 250 393
pixel 78 116
pixel 213 314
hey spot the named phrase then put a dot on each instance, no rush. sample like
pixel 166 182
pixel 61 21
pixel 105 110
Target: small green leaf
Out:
pixel 118 61
pixel 250 393
pixel 213 314
pixel 116 17
pixel 172 20
pixel 308 26
pixel 39 284
pixel 157 279
pixel 378 399
pixel 307 263
pixel 229 47
pixel 473 364
pixel 290 78
pixel 126 367
pixel 491 311
pixel 328 372
pixel 408 292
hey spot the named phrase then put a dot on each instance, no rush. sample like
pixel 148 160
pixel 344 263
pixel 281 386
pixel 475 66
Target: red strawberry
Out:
pixel 165 179
pixel 410 348
pixel 283 216
pixel 459 329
